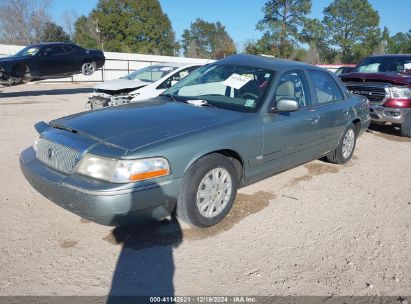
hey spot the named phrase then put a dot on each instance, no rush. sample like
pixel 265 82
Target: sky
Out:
pixel 240 16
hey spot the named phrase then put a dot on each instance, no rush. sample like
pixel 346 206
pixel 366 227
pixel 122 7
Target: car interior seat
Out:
pixel 285 90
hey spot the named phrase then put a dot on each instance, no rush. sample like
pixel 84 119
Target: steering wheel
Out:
pixel 249 94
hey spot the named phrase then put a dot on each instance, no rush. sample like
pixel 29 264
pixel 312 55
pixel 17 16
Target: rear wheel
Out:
pixel 208 191
pixel 406 126
pixel 88 68
pixel 345 149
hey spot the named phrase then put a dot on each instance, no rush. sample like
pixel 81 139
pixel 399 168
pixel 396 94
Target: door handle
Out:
pixel 346 112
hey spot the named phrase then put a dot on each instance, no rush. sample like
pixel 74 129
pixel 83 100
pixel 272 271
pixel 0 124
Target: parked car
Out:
pixel 344 70
pixel 386 82
pixel 141 84
pixel 226 125
pixel 49 60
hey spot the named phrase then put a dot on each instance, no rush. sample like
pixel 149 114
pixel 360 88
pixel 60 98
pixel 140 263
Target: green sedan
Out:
pixel 228 124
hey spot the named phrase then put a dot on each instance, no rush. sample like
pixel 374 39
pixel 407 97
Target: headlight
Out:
pixel 400 93
pixel 97 167
pixel 123 171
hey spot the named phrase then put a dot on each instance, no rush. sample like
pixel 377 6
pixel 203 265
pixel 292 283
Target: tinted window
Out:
pixel 293 85
pixel 69 49
pixel 325 87
pixel 54 50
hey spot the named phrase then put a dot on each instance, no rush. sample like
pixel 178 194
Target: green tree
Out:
pixel 207 40
pixel 85 33
pixel 134 26
pixel 281 24
pixel 53 33
pixel 352 26
pixel 314 34
pixel 400 43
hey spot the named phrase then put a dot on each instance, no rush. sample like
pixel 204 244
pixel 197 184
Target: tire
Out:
pixel 346 147
pixel 405 128
pixel 88 68
pixel 197 200
pixel 17 74
pixel 27 73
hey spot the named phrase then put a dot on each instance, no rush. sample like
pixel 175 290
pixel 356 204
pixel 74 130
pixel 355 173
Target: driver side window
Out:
pixel 53 51
pixel 293 85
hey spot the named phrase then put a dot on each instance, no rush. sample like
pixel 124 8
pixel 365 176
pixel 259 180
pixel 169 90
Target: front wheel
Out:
pixel 88 68
pixel 208 191
pixel 345 149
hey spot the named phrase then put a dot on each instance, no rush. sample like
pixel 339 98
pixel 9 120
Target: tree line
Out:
pixel 348 31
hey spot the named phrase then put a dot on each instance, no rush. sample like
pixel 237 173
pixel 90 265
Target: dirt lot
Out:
pixel 318 229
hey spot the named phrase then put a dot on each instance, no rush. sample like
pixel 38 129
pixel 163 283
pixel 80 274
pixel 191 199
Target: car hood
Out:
pixel 8 59
pixel 388 77
pixel 137 125
pixel 120 84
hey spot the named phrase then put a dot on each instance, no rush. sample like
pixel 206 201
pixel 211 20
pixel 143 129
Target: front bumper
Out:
pixel 382 114
pixel 111 207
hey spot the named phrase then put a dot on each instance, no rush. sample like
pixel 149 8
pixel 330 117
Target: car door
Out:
pixel 290 137
pixel 52 60
pixel 72 60
pixel 331 107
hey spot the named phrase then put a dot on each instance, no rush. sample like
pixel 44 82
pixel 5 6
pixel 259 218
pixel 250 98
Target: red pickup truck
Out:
pixel 386 81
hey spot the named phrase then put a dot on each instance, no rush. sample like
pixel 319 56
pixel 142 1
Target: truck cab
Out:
pixel 386 81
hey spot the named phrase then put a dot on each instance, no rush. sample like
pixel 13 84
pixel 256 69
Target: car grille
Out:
pixel 374 93
pixel 56 156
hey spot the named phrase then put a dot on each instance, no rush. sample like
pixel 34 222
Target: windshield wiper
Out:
pixel 194 102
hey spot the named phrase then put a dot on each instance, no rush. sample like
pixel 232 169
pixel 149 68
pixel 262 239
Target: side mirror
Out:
pixel 285 105
pixel 173 82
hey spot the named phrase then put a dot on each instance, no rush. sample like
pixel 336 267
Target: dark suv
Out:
pixel 386 81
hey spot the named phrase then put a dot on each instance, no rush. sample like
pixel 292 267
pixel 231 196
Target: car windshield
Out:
pixel 28 51
pixel 151 73
pixel 233 87
pixel 384 64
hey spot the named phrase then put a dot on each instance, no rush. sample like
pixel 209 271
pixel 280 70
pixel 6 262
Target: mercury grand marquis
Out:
pixel 228 124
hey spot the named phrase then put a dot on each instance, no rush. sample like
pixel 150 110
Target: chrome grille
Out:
pixel 374 93
pixel 56 156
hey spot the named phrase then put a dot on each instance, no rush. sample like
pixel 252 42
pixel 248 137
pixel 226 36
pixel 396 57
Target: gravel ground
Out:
pixel 318 229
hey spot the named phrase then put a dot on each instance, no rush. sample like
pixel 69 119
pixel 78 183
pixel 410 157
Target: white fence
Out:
pixel 117 64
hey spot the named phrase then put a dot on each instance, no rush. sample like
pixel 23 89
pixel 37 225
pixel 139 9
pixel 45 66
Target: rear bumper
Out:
pixel 107 207
pixel 382 114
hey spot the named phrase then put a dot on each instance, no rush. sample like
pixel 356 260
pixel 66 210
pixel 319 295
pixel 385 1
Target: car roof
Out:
pixel 50 43
pixel 391 56
pixel 177 64
pixel 265 62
